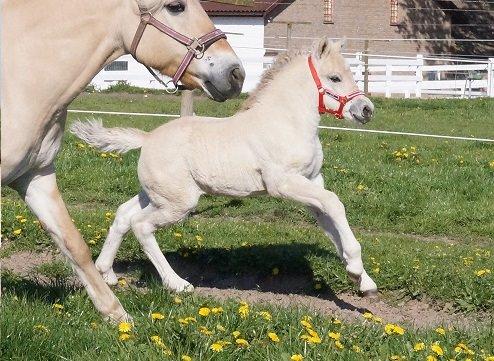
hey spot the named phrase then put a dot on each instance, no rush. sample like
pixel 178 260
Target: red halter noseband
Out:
pixel 195 46
pixel 342 99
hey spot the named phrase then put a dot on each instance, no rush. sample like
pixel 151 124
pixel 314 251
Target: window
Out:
pixel 117 66
pixel 328 12
pixel 393 20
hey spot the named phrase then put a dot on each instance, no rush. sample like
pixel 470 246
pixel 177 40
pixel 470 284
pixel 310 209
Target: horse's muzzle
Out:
pixel 226 84
pixel 362 110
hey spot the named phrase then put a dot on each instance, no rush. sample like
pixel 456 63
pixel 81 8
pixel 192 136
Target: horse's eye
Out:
pixel 335 78
pixel 176 7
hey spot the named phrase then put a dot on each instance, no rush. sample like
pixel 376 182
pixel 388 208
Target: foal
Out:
pixel 271 146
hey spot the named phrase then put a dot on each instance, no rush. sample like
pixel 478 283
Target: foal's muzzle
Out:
pixel 362 110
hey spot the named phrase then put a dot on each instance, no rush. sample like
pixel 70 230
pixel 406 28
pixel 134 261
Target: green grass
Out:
pixel 426 224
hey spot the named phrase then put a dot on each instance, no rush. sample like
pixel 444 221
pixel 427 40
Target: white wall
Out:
pixel 245 34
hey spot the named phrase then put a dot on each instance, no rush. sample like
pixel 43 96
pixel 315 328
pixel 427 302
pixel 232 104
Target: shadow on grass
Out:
pixel 242 268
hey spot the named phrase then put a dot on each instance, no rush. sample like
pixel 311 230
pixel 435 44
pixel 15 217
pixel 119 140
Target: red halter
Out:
pixel 195 46
pixel 342 99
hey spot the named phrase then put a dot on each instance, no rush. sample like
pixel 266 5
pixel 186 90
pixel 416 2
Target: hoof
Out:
pixel 110 277
pixel 116 318
pixel 370 294
pixel 180 287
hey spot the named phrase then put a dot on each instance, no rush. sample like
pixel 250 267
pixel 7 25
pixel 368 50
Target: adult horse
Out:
pixel 51 51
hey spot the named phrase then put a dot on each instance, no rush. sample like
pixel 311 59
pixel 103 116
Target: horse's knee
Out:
pixel 141 228
pixel 333 204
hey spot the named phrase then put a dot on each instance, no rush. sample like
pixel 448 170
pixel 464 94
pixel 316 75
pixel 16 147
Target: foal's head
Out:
pixel 337 79
pixel 218 72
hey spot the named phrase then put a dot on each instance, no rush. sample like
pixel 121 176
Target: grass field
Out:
pixel 423 210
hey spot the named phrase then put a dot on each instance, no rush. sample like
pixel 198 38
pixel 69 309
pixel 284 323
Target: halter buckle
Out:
pixel 197 47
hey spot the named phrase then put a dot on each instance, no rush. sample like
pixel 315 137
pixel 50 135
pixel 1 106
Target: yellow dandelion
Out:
pixel 377 319
pixel 490 357
pixel 177 234
pixel 236 334
pixel 243 310
pixel 440 331
pixel 94 325
pixel 339 345
pixel 437 349
pixel 186 358
pixel 57 307
pixel 273 337
pixel 17 232
pixel 482 272
pixel 103 155
pixel 216 310
pixel 122 282
pixel 204 311
pixel 297 357
pixel 306 324
pixel 124 337
pixel 177 300
pixel 419 346
pixel 334 335
pixel 41 327
pixel 275 271
pixel 242 342
pixel 361 187
pixel 266 315
pixel 204 330
pixel 157 316
pixel 317 286
pixel 337 321
pixel 216 347
pixel 368 315
pixel 431 358
pixel 199 238
pixel 124 327
pixel 356 349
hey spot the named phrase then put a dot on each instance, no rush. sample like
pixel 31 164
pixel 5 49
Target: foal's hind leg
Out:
pixel 331 215
pixel 144 224
pixel 120 226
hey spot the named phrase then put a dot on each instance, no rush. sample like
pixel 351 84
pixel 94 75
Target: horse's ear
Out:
pixel 321 48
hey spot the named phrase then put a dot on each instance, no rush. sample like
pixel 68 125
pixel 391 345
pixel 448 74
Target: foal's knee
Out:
pixel 332 204
pixel 141 228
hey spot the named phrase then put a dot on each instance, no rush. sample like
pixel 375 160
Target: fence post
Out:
pixel 490 78
pixel 389 73
pixel 419 76
pixel 359 70
pixel 187 103
pixel 366 66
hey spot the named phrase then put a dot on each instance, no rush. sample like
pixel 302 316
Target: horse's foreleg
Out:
pixel 40 192
pixel 120 226
pixel 330 214
pixel 144 224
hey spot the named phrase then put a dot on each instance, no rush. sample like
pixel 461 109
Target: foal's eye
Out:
pixel 335 78
pixel 176 7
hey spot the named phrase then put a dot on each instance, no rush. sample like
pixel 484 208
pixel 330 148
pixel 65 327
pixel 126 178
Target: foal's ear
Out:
pixel 324 46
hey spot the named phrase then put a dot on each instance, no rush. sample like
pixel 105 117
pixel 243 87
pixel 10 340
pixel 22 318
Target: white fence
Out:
pixel 386 75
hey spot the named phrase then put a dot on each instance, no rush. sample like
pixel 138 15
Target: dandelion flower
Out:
pixel 204 311
pixel 204 330
pixel 440 331
pixel 57 307
pixel 242 342
pixel 297 357
pixel 275 271
pixel 243 310
pixel 124 337
pixel 186 358
pixel 266 315
pixel 419 346
pixel 216 310
pixel 177 300
pixel 356 349
pixel 236 334
pixel 437 349
pixel 157 316
pixel 482 272
pixel 306 324
pixel 339 345
pixel 17 232
pixel 177 235
pixel 122 282
pixel 334 335
pixel 199 238
pixel 124 327
pixel 431 358
pixel 216 347
pixel 273 337
pixel 41 327
pixel 368 315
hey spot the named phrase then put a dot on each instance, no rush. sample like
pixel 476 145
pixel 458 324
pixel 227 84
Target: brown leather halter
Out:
pixel 195 46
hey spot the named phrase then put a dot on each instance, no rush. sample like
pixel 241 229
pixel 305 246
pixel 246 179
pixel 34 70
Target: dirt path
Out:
pixel 274 291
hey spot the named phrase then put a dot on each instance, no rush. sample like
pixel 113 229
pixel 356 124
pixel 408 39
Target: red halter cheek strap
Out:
pixel 341 99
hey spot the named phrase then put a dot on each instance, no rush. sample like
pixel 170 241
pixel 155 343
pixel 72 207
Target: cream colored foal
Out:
pixel 271 146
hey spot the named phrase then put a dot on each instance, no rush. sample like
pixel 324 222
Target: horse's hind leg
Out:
pixel 120 226
pixel 330 214
pixel 39 190
pixel 144 224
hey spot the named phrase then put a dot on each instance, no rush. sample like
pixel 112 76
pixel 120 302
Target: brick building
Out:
pixel 373 19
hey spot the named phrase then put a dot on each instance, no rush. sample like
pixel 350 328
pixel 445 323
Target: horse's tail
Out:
pixel 119 140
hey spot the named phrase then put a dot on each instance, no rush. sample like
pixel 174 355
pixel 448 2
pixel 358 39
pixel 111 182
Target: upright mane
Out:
pixel 279 63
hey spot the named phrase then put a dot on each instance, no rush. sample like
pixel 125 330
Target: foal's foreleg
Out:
pixel 366 284
pixel 330 214
pixel 120 226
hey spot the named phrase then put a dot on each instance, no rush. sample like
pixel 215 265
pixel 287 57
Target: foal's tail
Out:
pixel 119 140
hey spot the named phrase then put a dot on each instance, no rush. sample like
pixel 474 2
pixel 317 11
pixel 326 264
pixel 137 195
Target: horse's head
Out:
pixel 218 72
pixel 341 95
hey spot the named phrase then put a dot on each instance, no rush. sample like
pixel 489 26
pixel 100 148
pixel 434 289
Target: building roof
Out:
pixel 257 8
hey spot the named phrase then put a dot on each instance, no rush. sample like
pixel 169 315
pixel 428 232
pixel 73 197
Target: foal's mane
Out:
pixel 279 63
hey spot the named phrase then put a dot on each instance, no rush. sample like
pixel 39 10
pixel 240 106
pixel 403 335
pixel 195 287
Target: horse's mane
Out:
pixel 279 63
